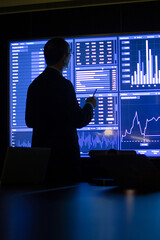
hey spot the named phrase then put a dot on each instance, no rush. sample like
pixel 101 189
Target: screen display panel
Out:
pixel 125 70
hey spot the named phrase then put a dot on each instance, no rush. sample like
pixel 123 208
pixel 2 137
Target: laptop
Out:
pixel 25 166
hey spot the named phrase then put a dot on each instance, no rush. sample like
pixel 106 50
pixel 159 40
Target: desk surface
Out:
pixel 80 212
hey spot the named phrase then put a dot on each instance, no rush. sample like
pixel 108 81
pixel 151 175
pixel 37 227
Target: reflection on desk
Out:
pixel 79 212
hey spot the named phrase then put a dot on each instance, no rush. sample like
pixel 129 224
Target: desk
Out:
pixel 80 212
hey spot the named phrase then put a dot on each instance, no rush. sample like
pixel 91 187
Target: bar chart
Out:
pixel 152 75
pixel 89 79
pixel 140 63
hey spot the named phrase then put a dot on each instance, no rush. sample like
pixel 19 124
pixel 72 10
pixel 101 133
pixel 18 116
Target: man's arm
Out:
pixel 80 117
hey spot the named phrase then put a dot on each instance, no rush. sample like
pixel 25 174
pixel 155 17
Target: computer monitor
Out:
pixel 125 70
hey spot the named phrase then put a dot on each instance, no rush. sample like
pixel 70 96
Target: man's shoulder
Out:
pixel 51 75
pixel 45 76
pixel 68 83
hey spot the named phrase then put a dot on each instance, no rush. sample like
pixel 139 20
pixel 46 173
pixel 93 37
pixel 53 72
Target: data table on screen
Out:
pixel 95 51
pixel 27 62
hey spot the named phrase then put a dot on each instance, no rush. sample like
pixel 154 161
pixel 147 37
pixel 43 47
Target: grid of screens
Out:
pixel 125 70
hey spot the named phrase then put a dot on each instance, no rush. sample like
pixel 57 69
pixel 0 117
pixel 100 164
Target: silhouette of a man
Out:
pixel 52 109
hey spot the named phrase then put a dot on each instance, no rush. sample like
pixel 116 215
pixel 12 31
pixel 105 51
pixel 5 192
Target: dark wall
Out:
pixel 80 21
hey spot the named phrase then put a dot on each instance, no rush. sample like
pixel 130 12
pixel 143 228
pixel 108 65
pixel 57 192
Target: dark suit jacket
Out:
pixel 54 114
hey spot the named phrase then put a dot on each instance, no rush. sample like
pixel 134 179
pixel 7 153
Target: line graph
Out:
pixel 97 140
pixel 143 132
pixel 21 139
pixel 140 121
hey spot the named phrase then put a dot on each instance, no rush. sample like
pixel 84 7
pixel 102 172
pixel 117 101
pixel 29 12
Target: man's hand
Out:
pixel 92 100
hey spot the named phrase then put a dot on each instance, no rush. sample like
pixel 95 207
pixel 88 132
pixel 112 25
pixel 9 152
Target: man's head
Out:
pixel 57 51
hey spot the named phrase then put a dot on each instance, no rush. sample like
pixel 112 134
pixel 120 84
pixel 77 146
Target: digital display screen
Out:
pixel 125 70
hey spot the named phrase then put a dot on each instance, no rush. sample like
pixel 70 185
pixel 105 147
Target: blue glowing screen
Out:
pixel 125 70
